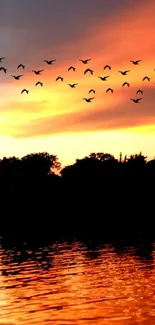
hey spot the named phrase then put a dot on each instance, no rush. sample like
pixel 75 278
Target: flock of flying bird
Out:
pixel 73 85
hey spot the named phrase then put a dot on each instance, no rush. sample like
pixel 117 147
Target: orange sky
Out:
pixel 56 119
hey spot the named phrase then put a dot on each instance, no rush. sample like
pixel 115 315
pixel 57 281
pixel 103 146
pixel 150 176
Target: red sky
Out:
pixel 55 118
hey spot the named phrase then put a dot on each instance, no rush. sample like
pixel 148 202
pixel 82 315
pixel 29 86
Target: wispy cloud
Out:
pixel 125 115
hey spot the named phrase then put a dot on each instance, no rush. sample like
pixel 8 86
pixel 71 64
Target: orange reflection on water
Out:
pixel 71 284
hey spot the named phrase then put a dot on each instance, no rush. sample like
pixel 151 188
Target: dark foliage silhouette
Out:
pixel 98 196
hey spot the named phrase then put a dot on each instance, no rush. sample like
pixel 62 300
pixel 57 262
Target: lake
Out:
pixel 78 284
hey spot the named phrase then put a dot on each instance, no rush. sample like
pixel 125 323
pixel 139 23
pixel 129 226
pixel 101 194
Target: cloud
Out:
pixel 25 107
pixel 47 27
pixel 115 38
pixel 126 114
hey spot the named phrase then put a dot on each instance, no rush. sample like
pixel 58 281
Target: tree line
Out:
pixel 98 194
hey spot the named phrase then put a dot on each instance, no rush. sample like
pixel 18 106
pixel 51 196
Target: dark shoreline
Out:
pixel 97 197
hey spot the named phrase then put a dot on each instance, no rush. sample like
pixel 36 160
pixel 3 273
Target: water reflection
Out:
pixel 78 284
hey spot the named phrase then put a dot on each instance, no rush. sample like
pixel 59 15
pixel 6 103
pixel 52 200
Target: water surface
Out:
pixel 76 284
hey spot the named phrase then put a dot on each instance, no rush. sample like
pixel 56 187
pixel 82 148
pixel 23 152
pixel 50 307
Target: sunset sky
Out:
pixel 55 118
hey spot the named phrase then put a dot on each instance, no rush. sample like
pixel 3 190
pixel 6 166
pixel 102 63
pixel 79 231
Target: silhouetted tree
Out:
pixel 97 193
pixel 40 163
pixel 101 156
pixel 10 166
pixel 137 159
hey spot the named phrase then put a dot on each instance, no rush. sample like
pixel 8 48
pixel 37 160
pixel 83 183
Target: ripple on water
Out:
pixel 77 284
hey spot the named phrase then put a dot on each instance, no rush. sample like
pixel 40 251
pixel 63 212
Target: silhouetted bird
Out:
pixel 39 83
pixel 136 100
pixel 2 59
pixel 17 77
pixel 146 78
pixel 72 85
pixel 124 72
pixel 126 83
pixel 25 90
pixel 88 70
pixel 109 89
pixel 71 68
pixel 4 69
pixel 85 61
pixel 50 61
pixel 107 66
pixel 59 78
pixel 21 66
pixel 139 91
pixel 88 100
pixel 37 72
pixel 104 78
pixel 91 91
pixel 135 62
